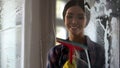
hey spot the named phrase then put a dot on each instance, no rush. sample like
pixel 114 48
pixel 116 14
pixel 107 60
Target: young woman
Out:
pixel 75 20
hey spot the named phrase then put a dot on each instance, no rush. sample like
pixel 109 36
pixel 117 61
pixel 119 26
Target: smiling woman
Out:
pixel 103 28
pixel 75 20
pixel 76 17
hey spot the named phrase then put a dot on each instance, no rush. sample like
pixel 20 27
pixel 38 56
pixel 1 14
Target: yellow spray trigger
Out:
pixel 70 65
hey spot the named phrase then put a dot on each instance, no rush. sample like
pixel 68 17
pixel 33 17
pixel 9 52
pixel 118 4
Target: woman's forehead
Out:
pixel 75 10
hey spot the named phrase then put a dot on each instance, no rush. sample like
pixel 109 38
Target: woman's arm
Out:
pixel 53 58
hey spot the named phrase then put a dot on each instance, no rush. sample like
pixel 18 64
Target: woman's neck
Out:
pixel 77 38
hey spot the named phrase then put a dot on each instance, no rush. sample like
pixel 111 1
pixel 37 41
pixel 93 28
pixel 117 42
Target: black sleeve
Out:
pixel 100 63
pixel 53 58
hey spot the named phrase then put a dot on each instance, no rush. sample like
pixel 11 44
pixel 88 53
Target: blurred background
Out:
pixel 28 29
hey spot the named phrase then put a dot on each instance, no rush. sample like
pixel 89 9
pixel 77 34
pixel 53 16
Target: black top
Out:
pixel 59 54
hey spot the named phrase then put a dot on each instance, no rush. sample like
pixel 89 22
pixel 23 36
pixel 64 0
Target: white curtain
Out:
pixel 39 32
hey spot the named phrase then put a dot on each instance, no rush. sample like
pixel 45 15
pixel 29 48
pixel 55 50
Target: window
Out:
pixel 60 29
pixel 11 15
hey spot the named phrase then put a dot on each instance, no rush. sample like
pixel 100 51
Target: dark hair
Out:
pixel 80 3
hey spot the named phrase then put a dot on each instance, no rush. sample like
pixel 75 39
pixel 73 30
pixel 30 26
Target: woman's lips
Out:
pixel 74 27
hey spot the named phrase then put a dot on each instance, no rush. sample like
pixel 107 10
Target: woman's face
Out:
pixel 75 20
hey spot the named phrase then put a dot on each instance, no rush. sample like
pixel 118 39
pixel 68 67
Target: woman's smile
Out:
pixel 74 27
pixel 75 20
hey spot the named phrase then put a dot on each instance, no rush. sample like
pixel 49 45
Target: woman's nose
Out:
pixel 74 20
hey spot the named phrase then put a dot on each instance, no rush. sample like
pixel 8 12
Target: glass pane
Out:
pixel 103 27
pixel 10 48
pixel 60 29
pixel 11 14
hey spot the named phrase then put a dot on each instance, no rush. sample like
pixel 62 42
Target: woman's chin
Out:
pixel 75 32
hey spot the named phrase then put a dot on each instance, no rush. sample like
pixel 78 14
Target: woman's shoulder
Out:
pixel 94 45
pixel 57 49
pixel 98 47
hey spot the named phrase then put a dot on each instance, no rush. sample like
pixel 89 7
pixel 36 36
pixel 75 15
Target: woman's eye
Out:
pixel 80 17
pixel 69 16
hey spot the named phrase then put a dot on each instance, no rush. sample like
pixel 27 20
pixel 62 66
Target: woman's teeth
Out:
pixel 74 26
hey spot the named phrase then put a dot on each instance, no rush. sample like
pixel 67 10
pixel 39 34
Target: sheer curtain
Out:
pixel 39 31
